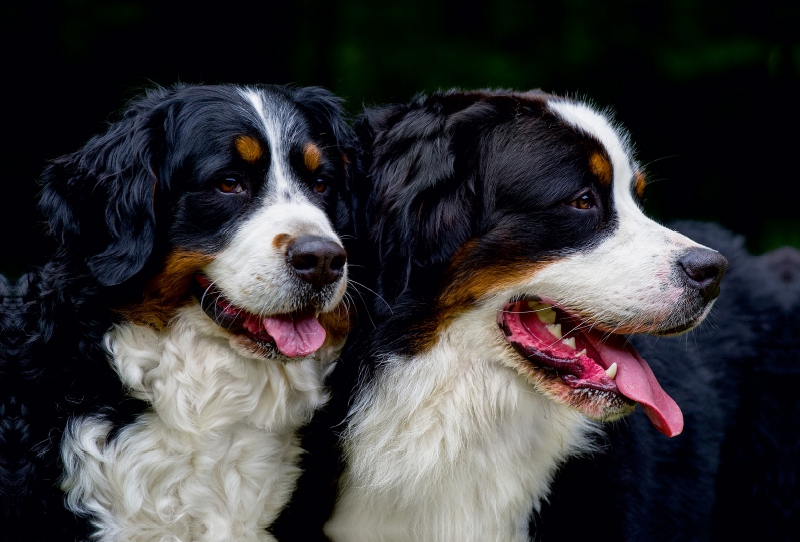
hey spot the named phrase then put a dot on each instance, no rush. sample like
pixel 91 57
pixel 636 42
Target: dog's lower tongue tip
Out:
pixel 297 336
pixel 636 381
pixel 670 426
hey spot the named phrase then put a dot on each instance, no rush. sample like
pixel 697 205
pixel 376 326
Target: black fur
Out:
pixel 435 188
pixel 116 208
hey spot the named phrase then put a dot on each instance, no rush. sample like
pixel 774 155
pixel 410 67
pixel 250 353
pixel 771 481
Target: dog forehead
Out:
pixel 278 119
pixel 614 141
pixel 212 122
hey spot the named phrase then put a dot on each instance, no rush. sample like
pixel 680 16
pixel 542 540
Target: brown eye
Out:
pixel 230 185
pixel 320 186
pixel 584 201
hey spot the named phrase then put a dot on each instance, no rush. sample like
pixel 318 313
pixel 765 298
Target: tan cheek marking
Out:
pixel 601 168
pixel 281 240
pixel 639 184
pixel 337 324
pixel 466 286
pixel 168 290
pixel 312 157
pixel 249 149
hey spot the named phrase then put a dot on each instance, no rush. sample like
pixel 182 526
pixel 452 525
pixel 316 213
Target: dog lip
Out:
pixel 686 326
pixel 677 330
pixel 216 306
pixel 575 368
pixel 531 326
pixel 259 328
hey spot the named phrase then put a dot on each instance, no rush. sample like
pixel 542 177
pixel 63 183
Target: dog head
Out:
pixel 230 196
pixel 521 212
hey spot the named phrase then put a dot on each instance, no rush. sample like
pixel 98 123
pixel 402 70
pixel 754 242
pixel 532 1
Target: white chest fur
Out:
pixel 213 459
pixel 451 445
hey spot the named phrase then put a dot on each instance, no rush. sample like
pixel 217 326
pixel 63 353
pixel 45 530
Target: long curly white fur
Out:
pixel 214 458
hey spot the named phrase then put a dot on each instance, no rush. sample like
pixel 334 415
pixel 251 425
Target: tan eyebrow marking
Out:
pixel 598 164
pixel 249 149
pixel 312 156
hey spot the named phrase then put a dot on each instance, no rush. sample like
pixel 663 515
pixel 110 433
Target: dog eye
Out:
pixel 584 201
pixel 320 186
pixel 230 185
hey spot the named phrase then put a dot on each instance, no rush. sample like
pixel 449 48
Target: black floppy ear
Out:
pixel 99 201
pixel 420 211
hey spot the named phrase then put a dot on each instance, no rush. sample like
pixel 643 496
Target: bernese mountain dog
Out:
pixel 183 328
pixel 512 259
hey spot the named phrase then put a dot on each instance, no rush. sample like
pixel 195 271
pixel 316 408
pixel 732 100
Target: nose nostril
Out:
pixel 303 261
pixel 337 263
pixel 697 273
pixel 316 260
pixel 703 270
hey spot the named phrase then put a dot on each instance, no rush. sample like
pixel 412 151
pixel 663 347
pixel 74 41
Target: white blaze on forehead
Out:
pixel 280 122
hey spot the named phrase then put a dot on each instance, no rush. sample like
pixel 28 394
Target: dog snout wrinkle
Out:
pixel 703 269
pixel 317 260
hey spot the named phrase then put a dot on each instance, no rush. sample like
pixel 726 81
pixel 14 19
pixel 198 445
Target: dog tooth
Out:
pixel 317 313
pixel 570 342
pixel 582 353
pixel 611 372
pixel 554 329
pixel 546 315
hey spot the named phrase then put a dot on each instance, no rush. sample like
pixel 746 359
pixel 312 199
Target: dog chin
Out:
pixel 690 324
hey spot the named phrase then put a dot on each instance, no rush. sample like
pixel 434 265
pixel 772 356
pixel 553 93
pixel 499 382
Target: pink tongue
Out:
pixel 637 382
pixel 298 336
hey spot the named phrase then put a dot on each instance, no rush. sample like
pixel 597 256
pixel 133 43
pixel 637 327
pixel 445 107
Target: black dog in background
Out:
pixel 757 489
pixel 732 474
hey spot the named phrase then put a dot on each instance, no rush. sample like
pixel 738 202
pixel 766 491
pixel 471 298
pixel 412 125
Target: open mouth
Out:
pixel 293 334
pixel 586 360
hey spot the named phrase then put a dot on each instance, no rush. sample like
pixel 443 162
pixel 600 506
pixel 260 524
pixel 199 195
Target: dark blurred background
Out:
pixel 709 89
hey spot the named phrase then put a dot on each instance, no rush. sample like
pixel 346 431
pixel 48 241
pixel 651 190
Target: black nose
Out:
pixel 703 269
pixel 317 260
